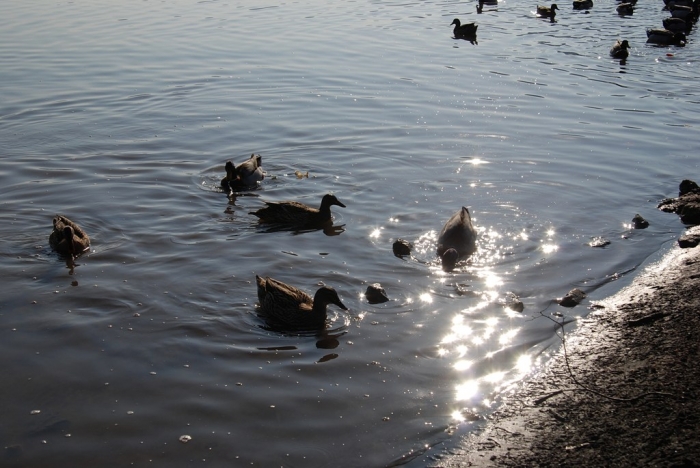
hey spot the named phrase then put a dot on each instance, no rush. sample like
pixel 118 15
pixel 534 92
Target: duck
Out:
pixel 619 49
pixel 289 308
pixel 297 214
pixel 463 30
pixel 582 4
pixel 688 13
pixel 457 239
pixel 677 25
pixel 67 238
pixel 547 12
pixel 624 9
pixel 246 175
pixel 665 37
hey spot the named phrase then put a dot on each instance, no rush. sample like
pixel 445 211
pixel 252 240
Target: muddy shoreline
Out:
pixel 624 390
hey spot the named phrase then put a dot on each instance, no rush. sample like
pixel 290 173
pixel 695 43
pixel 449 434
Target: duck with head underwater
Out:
pixel 457 239
pixel 287 308
pixel 245 175
pixel 67 238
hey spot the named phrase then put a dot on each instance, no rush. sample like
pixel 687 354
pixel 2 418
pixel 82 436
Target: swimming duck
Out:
pixel 619 50
pixel 582 4
pixel 67 238
pixel 463 30
pixel 547 12
pixel 688 13
pixel 289 308
pixel 457 239
pixel 676 25
pixel 665 37
pixel 297 214
pixel 624 9
pixel 246 175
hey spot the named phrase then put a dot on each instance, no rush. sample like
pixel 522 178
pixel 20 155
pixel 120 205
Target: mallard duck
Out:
pixel 625 9
pixel 684 12
pixel 677 25
pixel 288 308
pixel 297 214
pixel 665 37
pixel 463 30
pixel 67 238
pixel 457 239
pixel 246 175
pixel 582 4
pixel 547 12
pixel 619 49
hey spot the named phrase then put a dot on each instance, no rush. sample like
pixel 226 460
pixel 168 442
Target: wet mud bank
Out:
pixel 624 390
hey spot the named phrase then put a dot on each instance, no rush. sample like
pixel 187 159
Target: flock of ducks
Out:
pixel 684 13
pixel 284 307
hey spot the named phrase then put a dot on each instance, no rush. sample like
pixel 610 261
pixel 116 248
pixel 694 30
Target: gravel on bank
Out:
pixel 624 390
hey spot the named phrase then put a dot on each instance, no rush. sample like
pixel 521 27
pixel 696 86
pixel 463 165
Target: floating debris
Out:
pixel 599 242
pixel 512 301
pixel 185 438
pixel 301 175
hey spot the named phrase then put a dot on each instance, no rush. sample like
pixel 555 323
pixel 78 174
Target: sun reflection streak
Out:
pixel 458 416
pixel 524 364
pixel 463 364
pixel 376 233
pixel 495 377
pixel 426 297
pixel 507 337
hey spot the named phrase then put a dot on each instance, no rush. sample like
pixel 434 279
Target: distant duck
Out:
pixel 457 239
pixel 582 4
pixel 547 12
pixel 665 37
pixel 297 214
pixel 246 175
pixel 463 30
pixel 67 238
pixel 288 308
pixel 676 25
pixel 619 49
pixel 670 3
pixel 625 9
pixel 688 13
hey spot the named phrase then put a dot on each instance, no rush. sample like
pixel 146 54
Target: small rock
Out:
pixel 402 247
pixel 599 242
pixel 513 302
pixel 375 294
pixel 572 298
pixel 639 223
pixel 688 241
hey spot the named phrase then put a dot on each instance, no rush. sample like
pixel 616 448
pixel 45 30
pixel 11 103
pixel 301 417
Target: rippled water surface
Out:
pixel 121 116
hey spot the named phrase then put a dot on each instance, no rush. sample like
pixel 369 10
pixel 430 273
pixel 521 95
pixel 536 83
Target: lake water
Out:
pixel 121 115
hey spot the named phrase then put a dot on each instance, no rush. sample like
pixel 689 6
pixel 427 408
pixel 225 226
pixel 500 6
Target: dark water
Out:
pixel 121 116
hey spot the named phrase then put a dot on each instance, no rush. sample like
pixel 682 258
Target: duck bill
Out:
pixel 340 304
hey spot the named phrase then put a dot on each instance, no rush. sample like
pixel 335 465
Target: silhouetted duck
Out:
pixel 547 12
pixel 67 238
pixel 625 9
pixel 665 37
pixel 288 308
pixel 677 25
pixel 582 4
pixel 685 12
pixel 457 239
pixel 619 50
pixel 463 30
pixel 297 214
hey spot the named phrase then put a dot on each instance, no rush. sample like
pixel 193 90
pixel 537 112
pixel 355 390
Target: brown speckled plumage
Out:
pixel 297 214
pixel 287 308
pixel 68 238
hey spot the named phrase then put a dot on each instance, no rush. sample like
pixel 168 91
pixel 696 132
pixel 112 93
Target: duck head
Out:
pixel 327 295
pixel 329 199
